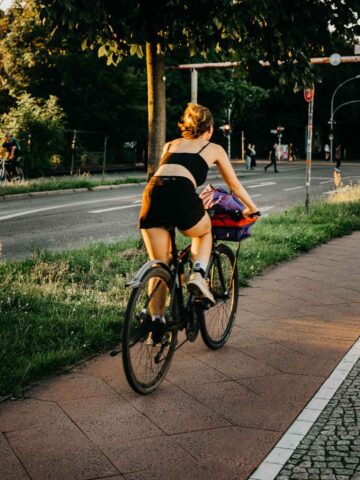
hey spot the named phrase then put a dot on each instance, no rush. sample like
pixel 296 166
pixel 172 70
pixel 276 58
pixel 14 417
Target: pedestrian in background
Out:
pixel 291 153
pixel 338 157
pixel 253 157
pixel 248 156
pixel 327 151
pixel 273 158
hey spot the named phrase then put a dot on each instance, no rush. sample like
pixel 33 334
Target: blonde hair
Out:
pixel 195 121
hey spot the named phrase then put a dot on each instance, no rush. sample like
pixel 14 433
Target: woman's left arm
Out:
pixel 228 173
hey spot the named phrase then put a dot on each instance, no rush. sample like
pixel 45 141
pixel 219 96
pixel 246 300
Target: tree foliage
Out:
pixel 39 127
pixel 285 34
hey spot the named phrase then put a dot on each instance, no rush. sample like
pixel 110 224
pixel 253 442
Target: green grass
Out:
pixel 45 184
pixel 58 308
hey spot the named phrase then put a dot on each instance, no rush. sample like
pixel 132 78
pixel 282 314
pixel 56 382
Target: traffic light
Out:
pixel 226 129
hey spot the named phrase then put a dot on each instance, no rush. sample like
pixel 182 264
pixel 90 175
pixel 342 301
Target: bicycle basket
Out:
pixel 225 227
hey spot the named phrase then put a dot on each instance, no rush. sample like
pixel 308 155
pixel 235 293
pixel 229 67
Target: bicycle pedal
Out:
pixel 206 304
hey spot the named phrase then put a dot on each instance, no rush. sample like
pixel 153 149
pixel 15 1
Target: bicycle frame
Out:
pixel 5 173
pixel 179 259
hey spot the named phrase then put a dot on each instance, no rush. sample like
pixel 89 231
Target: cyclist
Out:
pixel 170 197
pixel 12 147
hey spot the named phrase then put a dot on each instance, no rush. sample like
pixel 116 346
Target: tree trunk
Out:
pixel 155 66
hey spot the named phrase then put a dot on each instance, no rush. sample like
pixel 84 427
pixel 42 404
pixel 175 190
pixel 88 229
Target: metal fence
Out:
pixel 97 152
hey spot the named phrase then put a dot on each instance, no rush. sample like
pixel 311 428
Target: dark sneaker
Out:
pixel 199 287
pixel 157 334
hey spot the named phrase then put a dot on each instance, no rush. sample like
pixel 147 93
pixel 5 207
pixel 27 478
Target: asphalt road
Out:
pixel 78 219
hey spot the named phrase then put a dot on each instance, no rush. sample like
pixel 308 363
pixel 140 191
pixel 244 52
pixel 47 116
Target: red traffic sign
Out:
pixel 309 94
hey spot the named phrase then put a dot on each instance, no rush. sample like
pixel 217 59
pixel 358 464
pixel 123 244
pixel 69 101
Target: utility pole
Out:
pixel 229 110
pixel 309 97
pixel 194 85
pixel 73 147
pixel 242 146
pixel 104 157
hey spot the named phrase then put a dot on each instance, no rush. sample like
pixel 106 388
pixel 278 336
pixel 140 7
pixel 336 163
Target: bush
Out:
pixel 39 127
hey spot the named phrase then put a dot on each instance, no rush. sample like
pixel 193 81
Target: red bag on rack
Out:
pixel 225 227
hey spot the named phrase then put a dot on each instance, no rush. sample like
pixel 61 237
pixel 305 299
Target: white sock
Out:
pixel 200 266
pixel 155 317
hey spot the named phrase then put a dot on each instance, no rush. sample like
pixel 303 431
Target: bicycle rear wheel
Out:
pixel 218 321
pixel 146 362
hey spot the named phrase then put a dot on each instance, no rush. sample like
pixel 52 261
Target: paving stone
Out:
pixel 59 452
pixel 106 420
pixel 333 452
pixel 11 468
pixel 174 411
pixel 69 387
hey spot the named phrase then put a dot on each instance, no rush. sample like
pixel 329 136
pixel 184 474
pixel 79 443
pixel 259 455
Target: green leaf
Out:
pixel 103 51
pixel 218 23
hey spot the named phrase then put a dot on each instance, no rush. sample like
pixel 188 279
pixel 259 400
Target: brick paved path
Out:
pixel 331 449
pixel 218 414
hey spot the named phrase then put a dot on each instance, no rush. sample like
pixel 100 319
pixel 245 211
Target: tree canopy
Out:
pixel 284 33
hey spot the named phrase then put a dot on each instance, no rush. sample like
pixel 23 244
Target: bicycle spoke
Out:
pixel 142 343
pixel 219 319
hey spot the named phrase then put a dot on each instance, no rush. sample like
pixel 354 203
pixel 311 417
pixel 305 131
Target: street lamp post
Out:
pixel 331 121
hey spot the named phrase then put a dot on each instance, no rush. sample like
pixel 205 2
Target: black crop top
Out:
pixel 194 162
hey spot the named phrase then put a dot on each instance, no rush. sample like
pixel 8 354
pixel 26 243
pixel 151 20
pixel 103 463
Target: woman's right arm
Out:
pixel 228 173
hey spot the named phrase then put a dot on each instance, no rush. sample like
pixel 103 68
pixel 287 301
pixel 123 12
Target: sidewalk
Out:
pixel 219 413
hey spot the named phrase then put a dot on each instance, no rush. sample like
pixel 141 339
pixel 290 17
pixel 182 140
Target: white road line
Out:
pixel 114 208
pixel 262 184
pixel 257 195
pixel 265 210
pixel 65 205
pixel 293 188
pixel 327 181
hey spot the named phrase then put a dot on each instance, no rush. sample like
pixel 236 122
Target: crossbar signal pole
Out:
pixel 194 67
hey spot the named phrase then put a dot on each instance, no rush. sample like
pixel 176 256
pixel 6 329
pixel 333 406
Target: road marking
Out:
pixel 262 184
pixel 293 188
pixel 65 205
pixel 112 209
pixel 257 195
pixel 266 209
pixel 327 181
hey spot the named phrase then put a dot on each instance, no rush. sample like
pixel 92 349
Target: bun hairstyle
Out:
pixel 195 121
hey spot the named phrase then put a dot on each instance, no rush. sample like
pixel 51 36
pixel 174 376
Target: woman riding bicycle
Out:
pixel 12 147
pixel 170 198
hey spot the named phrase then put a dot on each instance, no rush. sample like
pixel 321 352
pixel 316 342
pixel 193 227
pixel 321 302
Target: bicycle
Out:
pixel 6 175
pixel 145 362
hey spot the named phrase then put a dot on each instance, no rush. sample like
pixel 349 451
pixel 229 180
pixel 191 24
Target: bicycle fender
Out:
pixel 135 282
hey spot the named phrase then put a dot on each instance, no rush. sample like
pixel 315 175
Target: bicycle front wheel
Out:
pixel 147 356
pixel 218 321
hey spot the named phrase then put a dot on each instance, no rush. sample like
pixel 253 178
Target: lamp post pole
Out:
pixel 309 153
pixel 331 121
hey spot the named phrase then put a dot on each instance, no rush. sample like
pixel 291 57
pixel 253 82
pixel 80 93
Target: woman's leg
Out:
pixel 200 250
pixel 157 243
pixel 201 239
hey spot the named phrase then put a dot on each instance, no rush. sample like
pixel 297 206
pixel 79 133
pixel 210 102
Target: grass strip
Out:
pixel 45 184
pixel 58 308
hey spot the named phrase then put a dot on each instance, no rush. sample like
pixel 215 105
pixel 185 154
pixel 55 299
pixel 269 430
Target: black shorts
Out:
pixel 170 202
